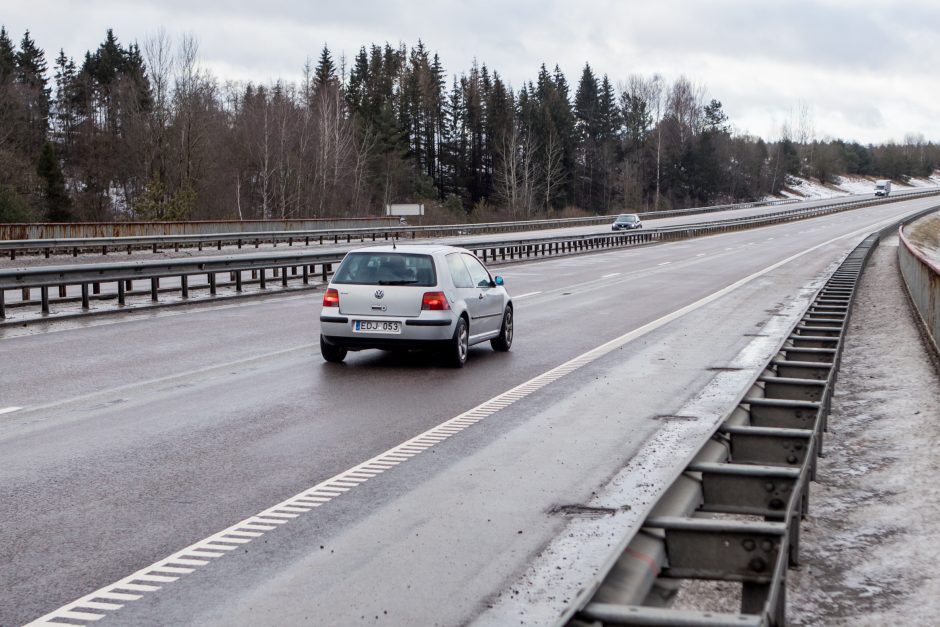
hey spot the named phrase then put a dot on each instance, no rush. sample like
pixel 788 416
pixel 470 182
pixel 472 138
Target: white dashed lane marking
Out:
pixel 612 274
pixel 526 294
pixel 7 410
pixel 665 263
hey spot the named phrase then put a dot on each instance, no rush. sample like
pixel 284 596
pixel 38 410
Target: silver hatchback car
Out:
pixel 414 297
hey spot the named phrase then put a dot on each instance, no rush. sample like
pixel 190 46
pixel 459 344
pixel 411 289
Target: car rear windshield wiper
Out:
pixel 399 282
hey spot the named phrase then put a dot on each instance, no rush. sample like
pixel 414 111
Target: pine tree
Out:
pixel 325 72
pixel 30 75
pixel 7 58
pixel 56 202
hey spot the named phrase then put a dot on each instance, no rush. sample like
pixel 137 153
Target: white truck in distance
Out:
pixel 882 188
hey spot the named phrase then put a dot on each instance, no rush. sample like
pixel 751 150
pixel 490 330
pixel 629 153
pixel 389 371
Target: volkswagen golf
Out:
pixel 414 297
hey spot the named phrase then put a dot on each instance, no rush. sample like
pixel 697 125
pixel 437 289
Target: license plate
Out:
pixel 376 326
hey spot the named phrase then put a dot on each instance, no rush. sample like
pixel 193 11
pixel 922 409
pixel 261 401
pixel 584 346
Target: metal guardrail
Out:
pixel 155 242
pixel 922 279
pixel 734 513
pixel 67 230
pixel 302 265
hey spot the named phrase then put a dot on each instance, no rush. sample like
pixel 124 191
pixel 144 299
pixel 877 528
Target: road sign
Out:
pixel 404 210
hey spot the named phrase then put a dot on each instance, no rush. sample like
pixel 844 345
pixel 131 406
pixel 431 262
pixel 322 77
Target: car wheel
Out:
pixel 503 341
pixel 332 353
pixel 460 344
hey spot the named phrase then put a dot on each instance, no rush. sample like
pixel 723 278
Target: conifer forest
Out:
pixel 142 131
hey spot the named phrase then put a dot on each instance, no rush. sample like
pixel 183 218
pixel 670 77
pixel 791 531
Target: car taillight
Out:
pixel 434 301
pixel 331 298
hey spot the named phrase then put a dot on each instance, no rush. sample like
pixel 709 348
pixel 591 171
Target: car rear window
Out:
pixel 387 269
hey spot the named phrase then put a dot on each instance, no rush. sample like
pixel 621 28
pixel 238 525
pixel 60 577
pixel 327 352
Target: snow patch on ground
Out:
pixel 847 185
pixel 872 536
pixel 925 235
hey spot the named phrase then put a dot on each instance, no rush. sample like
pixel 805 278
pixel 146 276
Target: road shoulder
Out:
pixel 873 531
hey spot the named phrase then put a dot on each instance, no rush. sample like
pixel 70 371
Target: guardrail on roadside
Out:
pixel 758 464
pixel 922 279
pixel 240 238
pixel 301 265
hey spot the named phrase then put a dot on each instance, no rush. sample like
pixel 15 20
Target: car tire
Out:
pixel 503 341
pixel 332 353
pixel 459 344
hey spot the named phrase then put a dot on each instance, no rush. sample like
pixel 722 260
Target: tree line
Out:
pixel 144 132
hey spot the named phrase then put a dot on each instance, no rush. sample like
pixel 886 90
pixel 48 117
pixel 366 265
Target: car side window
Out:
pixel 479 275
pixel 458 271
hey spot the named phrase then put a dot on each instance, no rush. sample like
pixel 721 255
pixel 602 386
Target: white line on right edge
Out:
pixel 7 410
pixel 215 546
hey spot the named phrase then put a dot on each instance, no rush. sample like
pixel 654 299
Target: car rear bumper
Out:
pixel 428 330
pixel 385 343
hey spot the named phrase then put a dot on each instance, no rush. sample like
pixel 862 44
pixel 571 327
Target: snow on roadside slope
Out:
pixel 847 185
pixel 872 535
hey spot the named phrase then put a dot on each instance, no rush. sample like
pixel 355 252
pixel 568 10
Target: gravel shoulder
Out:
pixel 872 535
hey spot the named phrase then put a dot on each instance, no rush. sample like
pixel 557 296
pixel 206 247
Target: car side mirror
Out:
pixel 499 281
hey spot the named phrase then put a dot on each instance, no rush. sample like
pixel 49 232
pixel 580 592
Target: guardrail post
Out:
pixel 46 253
pixel 239 242
pixel 121 288
pixel 306 273
pixel 154 289
pixel 326 272
pixel 262 283
pixel 129 249
pixel 3 313
pixel 44 294
pixel 75 252
pixel 85 303
pixel 129 284
pixel 96 288
pixel 284 277
pixel 61 291
pixel 220 245
pixel 211 276
pixel 184 285
pixel 237 276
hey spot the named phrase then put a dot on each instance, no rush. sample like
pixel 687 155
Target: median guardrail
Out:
pixel 237 271
pixel 922 279
pixel 241 238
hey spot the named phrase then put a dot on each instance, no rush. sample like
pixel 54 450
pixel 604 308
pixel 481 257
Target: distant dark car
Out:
pixel 626 222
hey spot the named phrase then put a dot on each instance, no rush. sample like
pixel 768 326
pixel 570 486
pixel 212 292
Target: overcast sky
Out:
pixel 867 70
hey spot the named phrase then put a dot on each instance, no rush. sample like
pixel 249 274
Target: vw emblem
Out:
pixel 379 293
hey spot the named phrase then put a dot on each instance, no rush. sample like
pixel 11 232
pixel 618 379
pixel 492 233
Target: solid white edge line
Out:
pixel 529 387
pixel 8 410
pixel 525 295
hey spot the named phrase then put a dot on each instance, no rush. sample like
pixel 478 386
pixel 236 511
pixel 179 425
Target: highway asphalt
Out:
pixel 137 436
